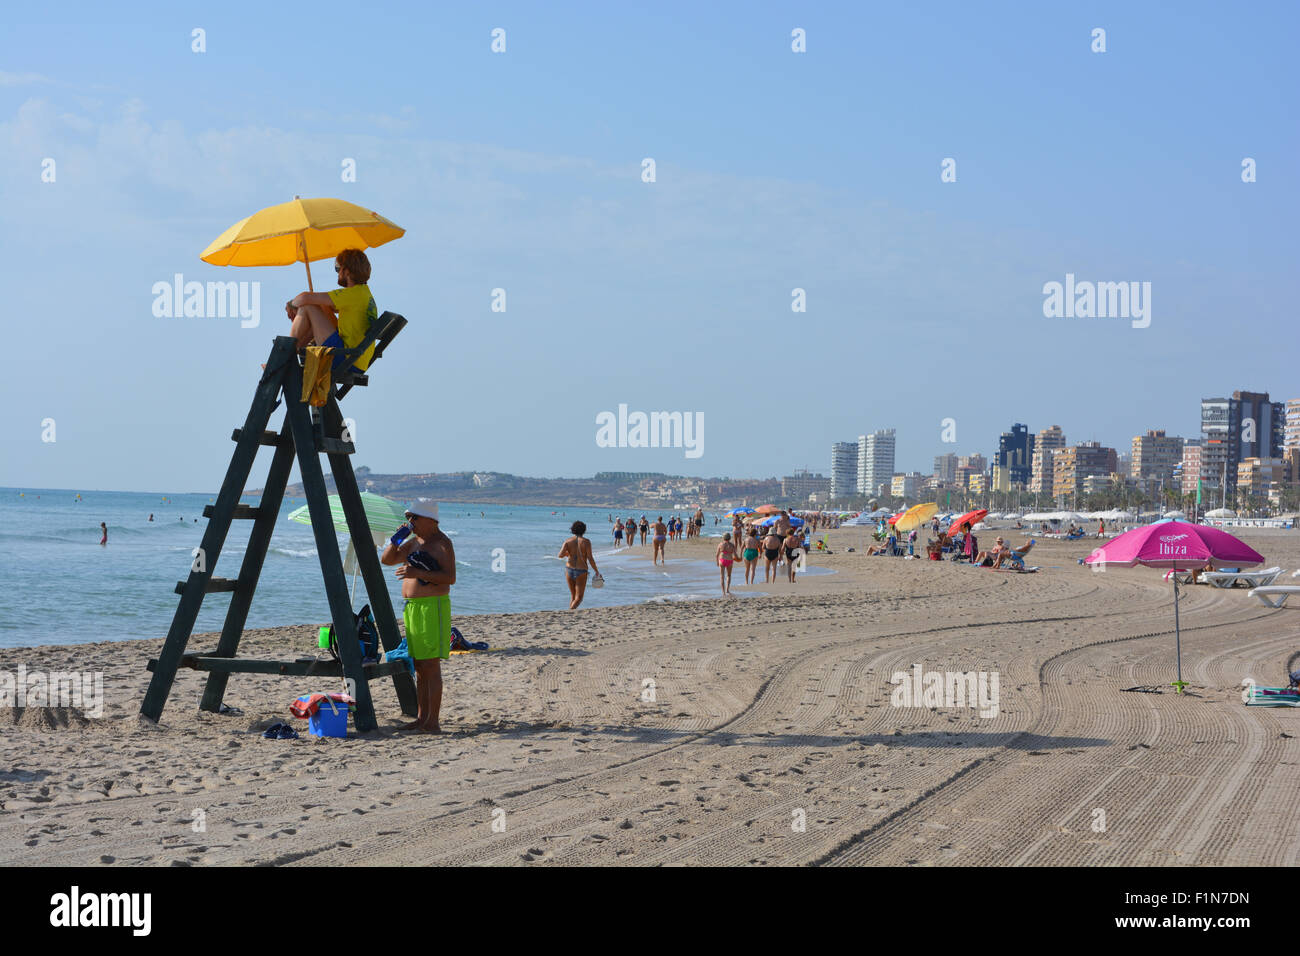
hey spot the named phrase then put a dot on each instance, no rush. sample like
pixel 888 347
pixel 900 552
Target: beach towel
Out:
pixel 458 643
pixel 1254 696
pixel 316 375
pixel 400 653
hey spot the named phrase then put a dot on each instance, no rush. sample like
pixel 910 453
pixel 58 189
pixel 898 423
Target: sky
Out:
pixel 774 170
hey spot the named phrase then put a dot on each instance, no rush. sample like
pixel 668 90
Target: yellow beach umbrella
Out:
pixel 303 230
pixel 916 516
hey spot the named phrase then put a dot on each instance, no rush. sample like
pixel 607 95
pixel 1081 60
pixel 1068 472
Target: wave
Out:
pixel 680 596
pixel 295 553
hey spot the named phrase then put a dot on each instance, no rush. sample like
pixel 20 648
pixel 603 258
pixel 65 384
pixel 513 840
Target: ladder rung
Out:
pixel 214 585
pixel 334 446
pixel 266 438
pixel 241 511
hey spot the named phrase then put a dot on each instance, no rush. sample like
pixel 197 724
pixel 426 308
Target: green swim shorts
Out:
pixel 428 627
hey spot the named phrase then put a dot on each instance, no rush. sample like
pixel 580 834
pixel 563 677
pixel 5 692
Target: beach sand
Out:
pixel 770 739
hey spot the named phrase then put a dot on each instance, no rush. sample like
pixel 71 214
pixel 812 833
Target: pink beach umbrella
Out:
pixel 1180 546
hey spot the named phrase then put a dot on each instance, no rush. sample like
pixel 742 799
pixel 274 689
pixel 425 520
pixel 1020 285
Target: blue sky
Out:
pixel 775 170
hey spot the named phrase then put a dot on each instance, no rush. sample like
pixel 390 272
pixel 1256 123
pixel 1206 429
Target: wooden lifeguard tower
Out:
pixel 305 435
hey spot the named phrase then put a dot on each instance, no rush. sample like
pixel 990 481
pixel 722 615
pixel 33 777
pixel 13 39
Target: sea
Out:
pixel 58 585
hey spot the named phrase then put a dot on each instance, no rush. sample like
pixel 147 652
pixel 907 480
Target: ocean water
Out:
pixel 59 586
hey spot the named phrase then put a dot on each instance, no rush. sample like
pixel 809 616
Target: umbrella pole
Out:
pixel 303 242
pixel 1178 642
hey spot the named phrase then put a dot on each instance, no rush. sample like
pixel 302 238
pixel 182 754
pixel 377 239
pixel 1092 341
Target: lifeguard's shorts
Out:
pixel 428 627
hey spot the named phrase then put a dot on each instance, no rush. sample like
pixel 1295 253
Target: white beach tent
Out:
pixel 1221 513
pixel 1174 514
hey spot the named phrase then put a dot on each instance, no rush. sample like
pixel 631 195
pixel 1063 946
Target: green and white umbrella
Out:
pixel 384 515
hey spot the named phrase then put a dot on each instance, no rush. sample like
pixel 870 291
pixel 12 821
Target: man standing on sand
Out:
pixel 783 524
pixel 576 552
pixel 427 571
pixel 660 536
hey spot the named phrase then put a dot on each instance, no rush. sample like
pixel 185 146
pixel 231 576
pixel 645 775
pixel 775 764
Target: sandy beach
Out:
pixel 771 738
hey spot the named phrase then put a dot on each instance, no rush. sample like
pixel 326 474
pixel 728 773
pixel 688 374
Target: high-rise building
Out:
pixel 945 468
pixel 1262 425
pixel 906 486
pixel 844 469
pixel 1291 464
pixel 1072 465
pixel 1247 425
pixel 1040 468
pixel 876 462
pixel 802 484
pixel 978 464
pixel 1219 452
pixel 1016 453
pixel 1154 458
pixel 1256 477
pixel 1291 430
pixel 1189 472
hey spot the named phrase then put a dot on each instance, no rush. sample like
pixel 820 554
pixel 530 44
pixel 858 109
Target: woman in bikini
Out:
pixel 660 536
pixel 631 530
pixel 750 554
pixel 725 555
pixel 576 552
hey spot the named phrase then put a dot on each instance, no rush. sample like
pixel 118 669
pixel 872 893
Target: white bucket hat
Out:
pixel 425 509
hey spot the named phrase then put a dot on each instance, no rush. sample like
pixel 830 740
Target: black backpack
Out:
pixel 367 632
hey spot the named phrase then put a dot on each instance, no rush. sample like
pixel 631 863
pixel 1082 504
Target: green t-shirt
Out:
pixel 356 308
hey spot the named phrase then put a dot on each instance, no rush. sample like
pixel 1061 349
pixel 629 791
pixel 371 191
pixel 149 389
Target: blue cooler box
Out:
pixel 330 719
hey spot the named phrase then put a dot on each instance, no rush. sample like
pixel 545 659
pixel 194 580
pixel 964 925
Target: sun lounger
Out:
pixel 1275 595
pixel 1252 579
pixel 1184 577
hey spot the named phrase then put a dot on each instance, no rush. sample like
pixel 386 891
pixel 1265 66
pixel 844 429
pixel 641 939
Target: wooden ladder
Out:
pixel 304 437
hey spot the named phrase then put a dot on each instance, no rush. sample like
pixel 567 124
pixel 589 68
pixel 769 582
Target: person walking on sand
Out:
pixel 618 532
pixel 104 528
pixel 771 551
pixel 576 552
pixel 427 569
pixel 750 554
pixel 793 545
pixel 660 536
pixel 645 527
pixel 631 530
pixel 725 555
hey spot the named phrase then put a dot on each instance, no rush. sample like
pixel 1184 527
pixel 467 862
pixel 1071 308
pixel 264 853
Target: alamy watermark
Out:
pixel 211 300
pixel 976 689
pixel 81 689
pixel 652 430
pixel 1098 300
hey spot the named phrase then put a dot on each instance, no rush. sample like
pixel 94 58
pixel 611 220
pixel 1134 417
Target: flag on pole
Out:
pixel 1198 492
